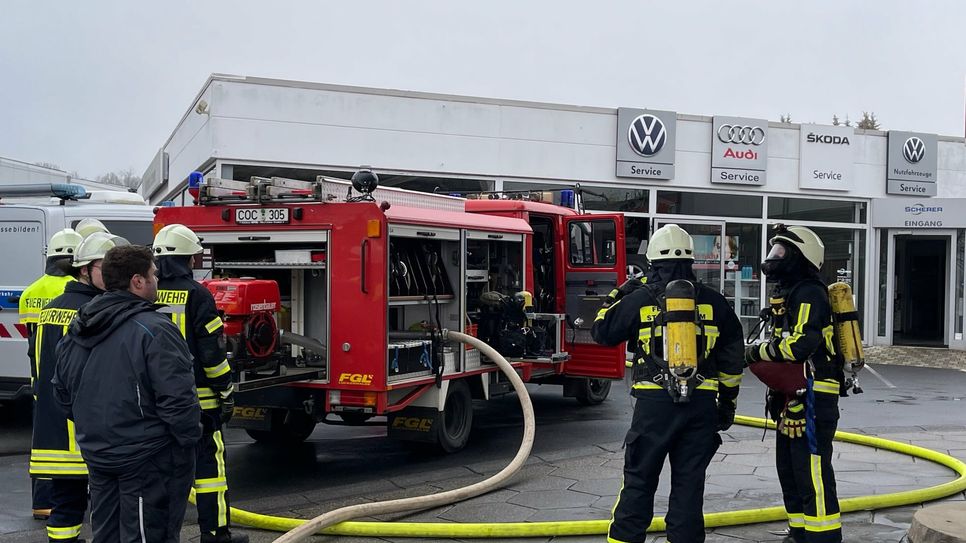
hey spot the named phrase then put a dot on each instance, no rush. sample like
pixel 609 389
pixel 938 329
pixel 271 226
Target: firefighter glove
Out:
pixel 726 415
pixel 624 289
pixel 752 353
pixel 792 421
pixel 227 407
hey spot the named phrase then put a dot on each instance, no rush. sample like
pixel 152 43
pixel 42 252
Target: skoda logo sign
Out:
pixel 646 135
pixel 913 150
pixel 747 135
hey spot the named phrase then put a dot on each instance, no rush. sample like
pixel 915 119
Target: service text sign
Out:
pixel 826 157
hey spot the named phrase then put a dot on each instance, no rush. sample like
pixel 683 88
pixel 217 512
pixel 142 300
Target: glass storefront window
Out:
pixel 802 209
pixel 611 199
pixel 960 253
pixel 708 203
pixel 742 262
pixel 883 277
pixel 844 259
pixel 626 200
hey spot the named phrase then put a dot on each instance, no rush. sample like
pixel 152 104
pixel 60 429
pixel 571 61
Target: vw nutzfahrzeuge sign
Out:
pixel 826 157
pixel 911 168
pixel 645 143
pixel 739 150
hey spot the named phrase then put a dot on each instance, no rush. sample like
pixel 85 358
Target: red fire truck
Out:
pixel 333 301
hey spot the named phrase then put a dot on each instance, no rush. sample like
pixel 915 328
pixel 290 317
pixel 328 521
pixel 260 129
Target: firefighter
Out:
pixel 797 364
pixel 676 414
pixel 60 251
pixel 88 226
pixel 192 307
pixel 54 454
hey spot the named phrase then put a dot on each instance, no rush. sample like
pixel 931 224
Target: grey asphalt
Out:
pixel 574 472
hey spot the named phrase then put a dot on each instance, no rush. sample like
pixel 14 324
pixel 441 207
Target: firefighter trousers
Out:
pixel 808 480
pixel 211 483
pixel 68 500
pixel 145 502
pixel 40 490
pixel 685 432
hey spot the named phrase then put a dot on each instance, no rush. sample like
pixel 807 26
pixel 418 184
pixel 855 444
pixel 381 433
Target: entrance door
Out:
pixel 709 251
pixel 920 308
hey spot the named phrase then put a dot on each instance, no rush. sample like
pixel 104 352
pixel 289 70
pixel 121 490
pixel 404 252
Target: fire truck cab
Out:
pixel 334 300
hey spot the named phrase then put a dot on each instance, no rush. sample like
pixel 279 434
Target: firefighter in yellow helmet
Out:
pixel 60 251
pixel 685 393
pixel 192 308
pixel 797 362
pixel 54 454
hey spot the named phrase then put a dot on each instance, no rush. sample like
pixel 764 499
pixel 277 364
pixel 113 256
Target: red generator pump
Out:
pixel 248 308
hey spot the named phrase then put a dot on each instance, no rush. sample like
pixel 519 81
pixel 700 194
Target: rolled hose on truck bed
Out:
pixel 335 522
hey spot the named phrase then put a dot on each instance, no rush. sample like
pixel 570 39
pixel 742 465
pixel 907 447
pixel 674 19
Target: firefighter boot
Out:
pixel 223 535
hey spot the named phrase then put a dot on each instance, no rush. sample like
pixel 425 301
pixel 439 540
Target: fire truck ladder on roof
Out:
pixel 263 190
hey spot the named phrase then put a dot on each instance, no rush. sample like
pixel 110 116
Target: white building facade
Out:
pixel 891 206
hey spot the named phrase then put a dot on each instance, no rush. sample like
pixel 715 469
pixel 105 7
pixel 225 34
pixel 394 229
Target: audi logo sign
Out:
pixel 739 150
pixel 646 135
pixel 913 150
pixel 747 135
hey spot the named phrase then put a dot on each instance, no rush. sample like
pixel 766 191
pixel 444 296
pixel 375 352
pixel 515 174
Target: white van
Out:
pixel 27 220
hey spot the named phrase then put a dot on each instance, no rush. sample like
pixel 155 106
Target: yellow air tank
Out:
pixel 845 320
pixel 681 330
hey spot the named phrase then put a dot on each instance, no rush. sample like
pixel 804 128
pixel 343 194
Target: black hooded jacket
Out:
pixel 124 376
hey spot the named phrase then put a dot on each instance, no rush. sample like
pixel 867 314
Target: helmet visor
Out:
pixel 777 252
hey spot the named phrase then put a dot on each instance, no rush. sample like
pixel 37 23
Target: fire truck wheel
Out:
pixel 636 265
pixel 456 419
pixel 593 391
pixel 294 428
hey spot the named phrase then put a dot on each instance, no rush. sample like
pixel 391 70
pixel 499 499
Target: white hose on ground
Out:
pixel 450 496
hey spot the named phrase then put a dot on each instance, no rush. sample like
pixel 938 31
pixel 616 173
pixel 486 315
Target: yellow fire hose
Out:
pixel 335 523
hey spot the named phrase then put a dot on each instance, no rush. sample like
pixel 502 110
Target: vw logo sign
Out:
pixel 747 135
pixel 646 135
pixel 913 150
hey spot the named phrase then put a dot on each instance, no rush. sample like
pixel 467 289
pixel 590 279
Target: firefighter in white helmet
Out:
pixel 88 226
pixel 60 251
pixel 797 362
pixel 681 401
pixel 192 308
pixel 54 454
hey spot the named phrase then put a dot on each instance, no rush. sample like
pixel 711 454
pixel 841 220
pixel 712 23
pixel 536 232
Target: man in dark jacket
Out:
pixel 192 308
pixel 804 379
pixel 673 417
pixel 124 376
pixel 54 454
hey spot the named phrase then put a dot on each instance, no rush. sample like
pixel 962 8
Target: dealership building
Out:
pixel 890 206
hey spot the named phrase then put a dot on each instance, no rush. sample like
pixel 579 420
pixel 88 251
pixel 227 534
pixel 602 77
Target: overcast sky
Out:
pixel 95 86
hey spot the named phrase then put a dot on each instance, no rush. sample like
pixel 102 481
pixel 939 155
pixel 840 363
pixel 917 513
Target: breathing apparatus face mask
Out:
pixel 781 262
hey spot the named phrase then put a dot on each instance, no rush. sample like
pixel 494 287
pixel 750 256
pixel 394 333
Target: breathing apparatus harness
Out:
pixel 684 341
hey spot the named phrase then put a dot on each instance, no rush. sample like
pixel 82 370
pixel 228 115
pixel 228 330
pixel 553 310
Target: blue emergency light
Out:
pixel 195 180
pixel 568 198
pixel 67 192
